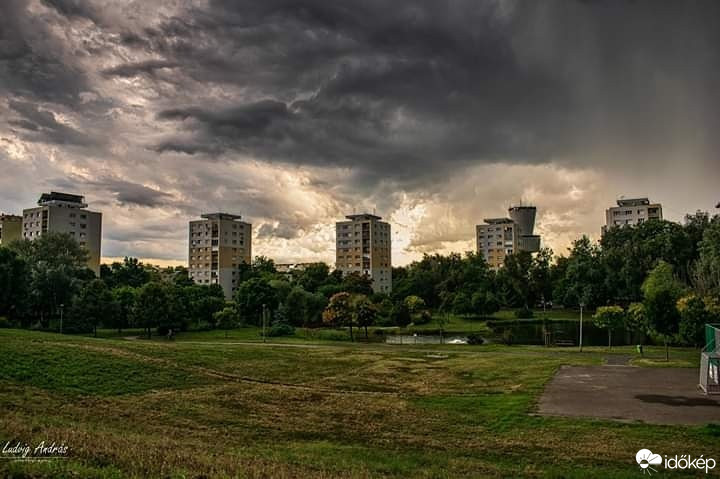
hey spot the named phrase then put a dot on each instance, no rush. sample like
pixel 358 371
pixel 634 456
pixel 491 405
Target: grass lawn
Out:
pixel 209 406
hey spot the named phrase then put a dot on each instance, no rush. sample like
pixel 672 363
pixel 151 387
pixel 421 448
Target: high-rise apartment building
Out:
pixel 219 244
pixel 10 228
pixel 500 237
pixel 363 245
pixel 66 213
pixel 633 211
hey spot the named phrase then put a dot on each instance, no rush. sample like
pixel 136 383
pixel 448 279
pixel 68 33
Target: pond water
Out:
pixel 424 339
pixel 557 332
pixel 530 331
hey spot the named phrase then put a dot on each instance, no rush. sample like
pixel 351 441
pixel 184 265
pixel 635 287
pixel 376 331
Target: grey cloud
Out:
pixel 44 126
pixel 133 69
pixel 284 231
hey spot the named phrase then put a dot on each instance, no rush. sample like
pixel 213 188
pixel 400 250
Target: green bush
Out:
pixel 523 313
pixel 281 329
pixel 4 322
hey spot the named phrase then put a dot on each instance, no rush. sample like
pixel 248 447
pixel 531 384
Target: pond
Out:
pixel 425 339
pixel 563 332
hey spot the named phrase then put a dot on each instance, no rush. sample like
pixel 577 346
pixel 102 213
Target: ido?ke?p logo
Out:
pixel 646 459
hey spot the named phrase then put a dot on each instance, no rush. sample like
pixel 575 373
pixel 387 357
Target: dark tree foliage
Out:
pixel 91 307
pixel 14 284
pixel 131 272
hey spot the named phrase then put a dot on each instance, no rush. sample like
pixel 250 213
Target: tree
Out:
pixel 462 304
pixel 484 303
pixel 250 297
pixel 636 319
pixel 584 276
pixel 415 304
pixel 14 287
pixel 130 272
pixel 355 283
pixel 693 317
pixel 339 312
pixel 91 306
pixel 296 303
pixel 57 267
pixel 313 276
pixel 662 291
pixel 365 312
pixel 124 298
pixel 152 307
pixel 400 315
pixel 226 319
pixel 609 317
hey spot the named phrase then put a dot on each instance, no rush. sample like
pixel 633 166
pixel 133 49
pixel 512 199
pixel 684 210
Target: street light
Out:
pixel 582 305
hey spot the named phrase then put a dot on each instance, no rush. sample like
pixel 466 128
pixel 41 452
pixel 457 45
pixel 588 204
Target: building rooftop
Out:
pixel 221 216
pixel 64 197
pixel 363 216
pixel 633 201
pixel 497 221
pixel 4 217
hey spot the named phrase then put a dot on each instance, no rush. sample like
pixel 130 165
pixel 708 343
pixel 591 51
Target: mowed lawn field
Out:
pixel 234 408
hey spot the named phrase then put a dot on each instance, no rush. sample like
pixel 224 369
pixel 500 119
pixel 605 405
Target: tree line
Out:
pixel 663 277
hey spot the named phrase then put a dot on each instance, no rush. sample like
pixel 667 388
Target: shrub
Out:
pixel 475 338
pixel 523 313
pixel 4 322
pixel 424 317
pixel 281 329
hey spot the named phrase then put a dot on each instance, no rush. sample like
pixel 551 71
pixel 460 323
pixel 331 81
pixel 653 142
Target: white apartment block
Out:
pixel 363 245
pixel 631 212
pixel 66 213
pixel 219 244
pixel 501 237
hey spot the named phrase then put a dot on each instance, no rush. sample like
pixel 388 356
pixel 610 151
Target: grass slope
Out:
pixel 194 408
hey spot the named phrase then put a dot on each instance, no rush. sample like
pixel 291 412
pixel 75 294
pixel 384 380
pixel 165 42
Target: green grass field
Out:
pixel 209 406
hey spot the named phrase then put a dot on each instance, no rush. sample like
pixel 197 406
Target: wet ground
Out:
pixel 653 395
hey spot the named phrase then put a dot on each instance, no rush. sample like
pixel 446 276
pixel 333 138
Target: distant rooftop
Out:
pixel 363 216
pixel 64 197
pixel 3 216
pixel 633 201
pixel 497 221
pixel 221 216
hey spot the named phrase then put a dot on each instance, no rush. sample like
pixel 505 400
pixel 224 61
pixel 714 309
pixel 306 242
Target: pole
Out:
pixel 264 321
pixel 61 316
pixel 581 321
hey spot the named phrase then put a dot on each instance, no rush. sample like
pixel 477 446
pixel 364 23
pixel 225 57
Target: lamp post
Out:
pixel 581 321
pixel 62 306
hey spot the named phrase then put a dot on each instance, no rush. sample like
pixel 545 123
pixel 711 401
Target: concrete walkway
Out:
pixel 652 395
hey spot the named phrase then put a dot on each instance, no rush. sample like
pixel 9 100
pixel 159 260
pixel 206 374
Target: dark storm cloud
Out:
pixel 373 101
pixel 73 8
pixel 44 127
pixel 34 62
pixel 125 192
pixel 428 83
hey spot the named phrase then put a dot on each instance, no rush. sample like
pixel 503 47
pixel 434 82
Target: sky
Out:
pixel 294 114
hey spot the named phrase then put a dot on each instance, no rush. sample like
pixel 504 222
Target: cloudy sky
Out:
pixel 295 113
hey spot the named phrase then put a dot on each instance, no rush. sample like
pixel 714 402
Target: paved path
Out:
pixel 653 395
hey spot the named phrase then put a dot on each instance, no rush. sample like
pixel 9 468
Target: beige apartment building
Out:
pixel 363 245
pixel 500 237
pixel 66 213
pixel 219 244
pixel 10 228
pixel 630 212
